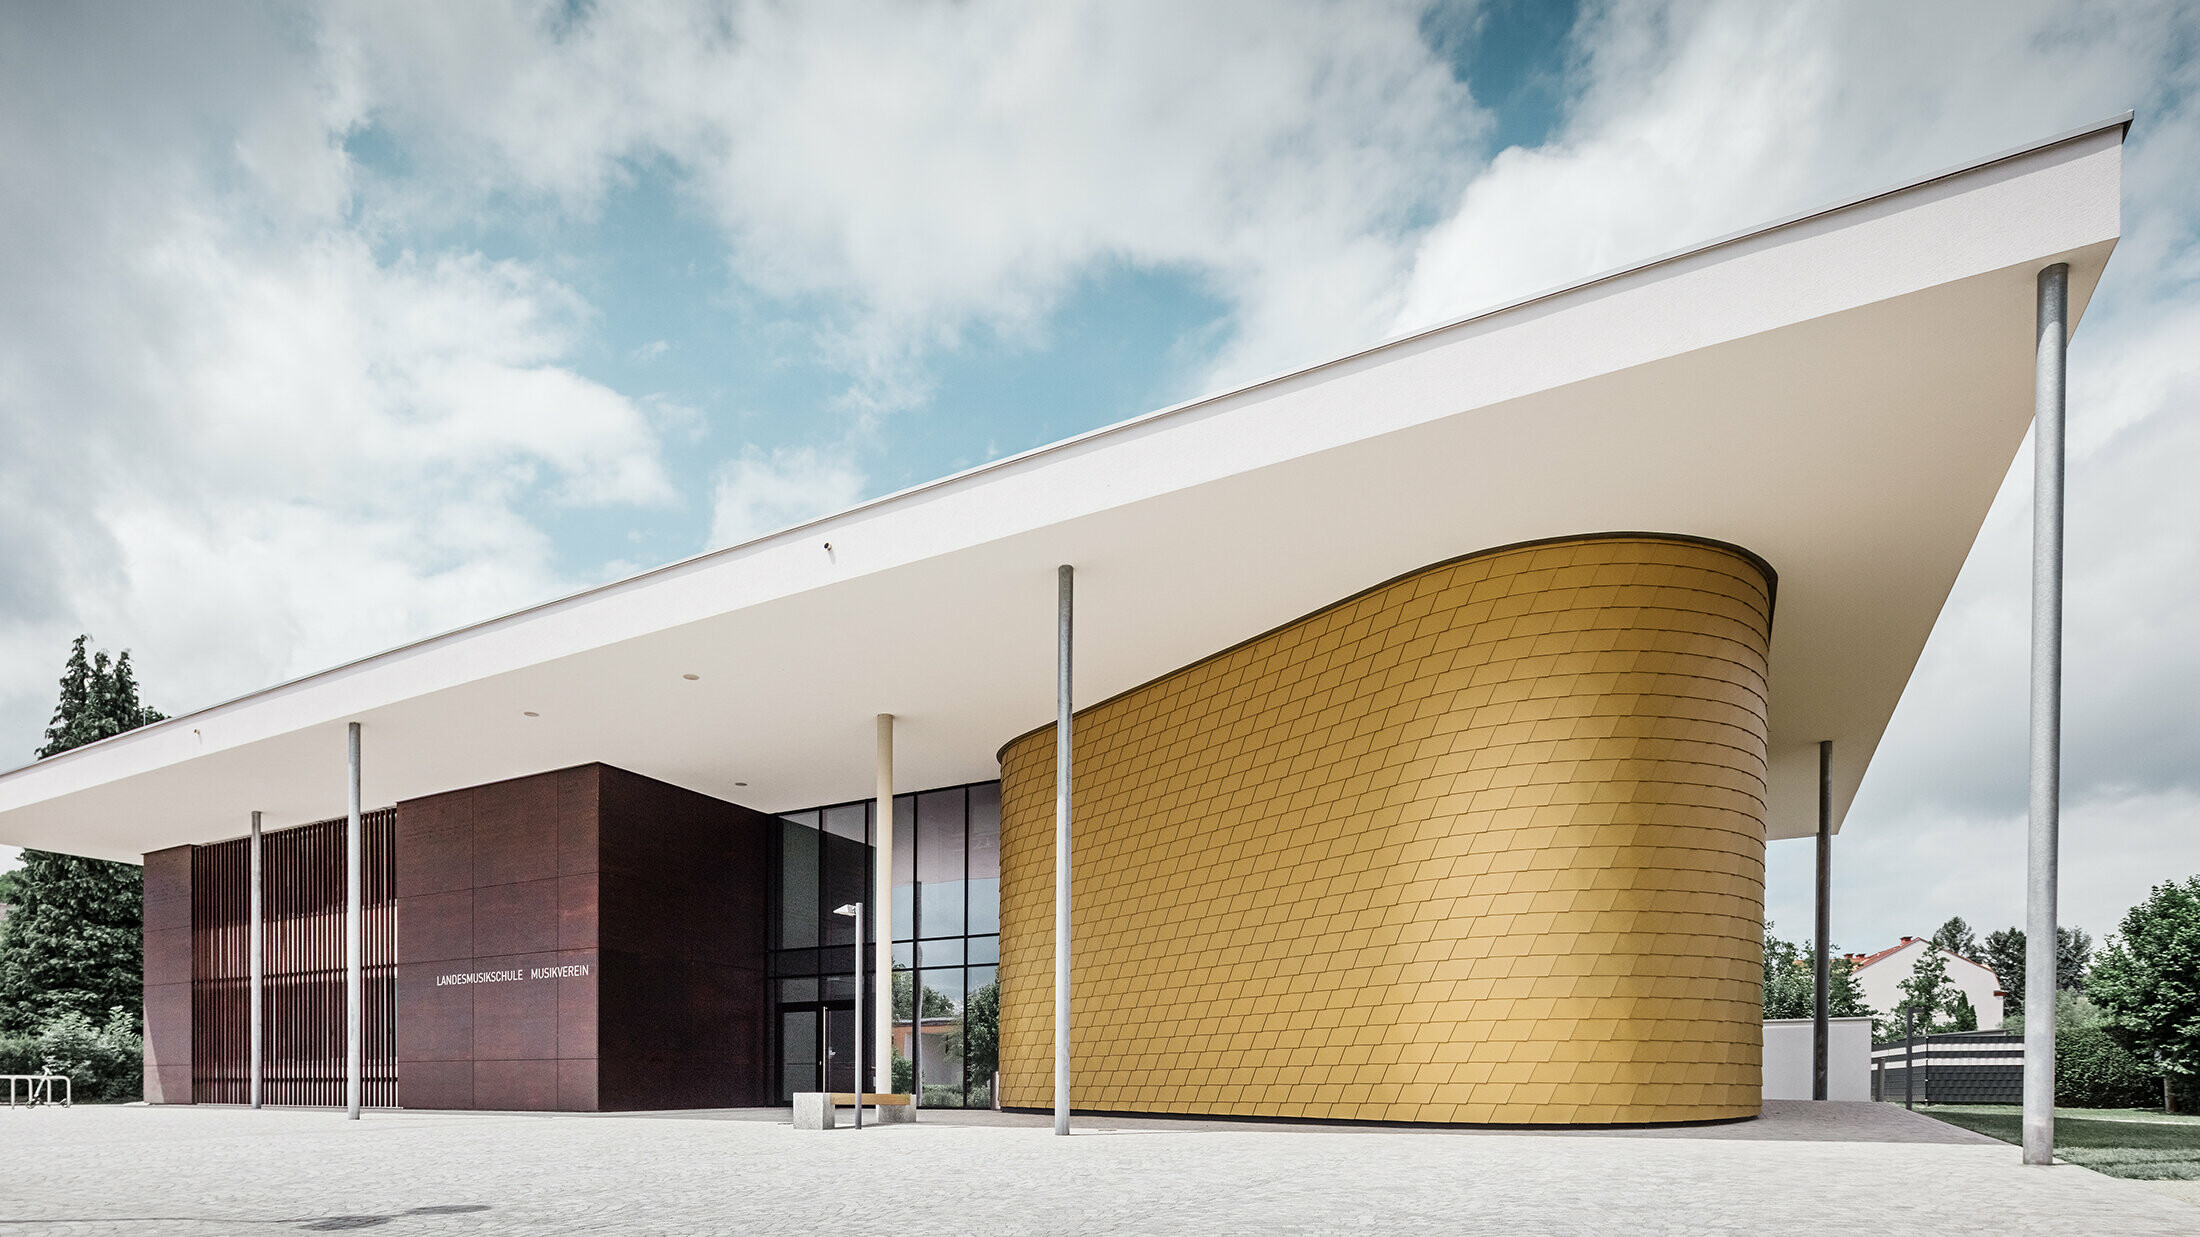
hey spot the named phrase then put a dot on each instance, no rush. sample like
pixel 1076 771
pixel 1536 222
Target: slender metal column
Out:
pixel 882 897
pixel 1063 611
pixel 2047 581
pixel 1821 1011
pixel 259 963
pixel 354 944
pixel 858 1028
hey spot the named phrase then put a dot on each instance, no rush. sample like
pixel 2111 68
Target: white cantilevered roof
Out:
pixel 1841 393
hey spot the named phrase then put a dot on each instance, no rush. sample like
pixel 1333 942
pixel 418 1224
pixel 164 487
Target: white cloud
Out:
pixel 760 493
pixel 928 166
pixel 243 443
pixel 1689 121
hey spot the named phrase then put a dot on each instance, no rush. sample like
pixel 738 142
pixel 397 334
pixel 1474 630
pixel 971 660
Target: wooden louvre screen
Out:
pixel 302 898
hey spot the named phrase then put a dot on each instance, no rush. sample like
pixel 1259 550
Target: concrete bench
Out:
pixel 815 1110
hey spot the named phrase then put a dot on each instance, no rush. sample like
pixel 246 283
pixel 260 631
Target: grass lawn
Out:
pixel 2122 1142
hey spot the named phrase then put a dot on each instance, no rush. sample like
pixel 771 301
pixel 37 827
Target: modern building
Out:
pixel 1436 704
pixel 1880 975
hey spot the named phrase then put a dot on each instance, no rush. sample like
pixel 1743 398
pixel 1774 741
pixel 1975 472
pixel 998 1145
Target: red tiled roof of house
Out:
pixel 1864 960
pixel 1860 961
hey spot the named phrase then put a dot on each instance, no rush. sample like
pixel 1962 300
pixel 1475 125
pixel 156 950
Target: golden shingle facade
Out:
pixel 1484 844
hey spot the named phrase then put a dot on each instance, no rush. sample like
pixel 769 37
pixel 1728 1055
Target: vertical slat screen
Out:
pixel 303 896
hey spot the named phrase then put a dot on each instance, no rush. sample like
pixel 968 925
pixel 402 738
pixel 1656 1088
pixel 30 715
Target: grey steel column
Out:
pixel 1822 1007
pixel 259 962
pixel 355 941
pixel 882 897
pixel 2047 580
pixel 858 1036
pixel 1063 611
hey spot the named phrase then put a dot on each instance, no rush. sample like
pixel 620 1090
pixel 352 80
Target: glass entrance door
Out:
pixel 817 1048
pixel 840 1047
pixel 799 1047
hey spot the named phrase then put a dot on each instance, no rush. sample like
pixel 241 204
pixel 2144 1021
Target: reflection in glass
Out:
pixel 905 865
pixel 939 1038
pixel 985 860
pixel 981 1044
pixel 940 858
pixel 850 820
pixel 947 876
pixel 798 881
pixel 847 873
pixel 905 987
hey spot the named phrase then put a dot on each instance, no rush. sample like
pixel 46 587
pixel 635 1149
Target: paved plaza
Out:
pixel 1832 1168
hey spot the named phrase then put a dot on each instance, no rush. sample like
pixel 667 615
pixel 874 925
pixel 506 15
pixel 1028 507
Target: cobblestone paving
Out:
pixel 1834 1168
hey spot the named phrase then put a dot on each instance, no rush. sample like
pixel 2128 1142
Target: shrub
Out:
pixel 2092 1070
pixel 19 1055
pixel 103 1062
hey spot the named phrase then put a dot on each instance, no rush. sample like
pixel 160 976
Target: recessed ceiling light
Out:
pixel 529 713
pixel 691 677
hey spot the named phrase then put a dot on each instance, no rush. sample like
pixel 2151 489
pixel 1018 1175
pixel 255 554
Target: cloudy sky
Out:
pixel 325 328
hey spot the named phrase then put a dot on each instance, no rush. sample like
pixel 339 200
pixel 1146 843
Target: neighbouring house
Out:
pixel 1881 975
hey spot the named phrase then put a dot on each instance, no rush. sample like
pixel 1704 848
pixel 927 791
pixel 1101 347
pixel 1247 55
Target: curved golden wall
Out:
pixel 1484 844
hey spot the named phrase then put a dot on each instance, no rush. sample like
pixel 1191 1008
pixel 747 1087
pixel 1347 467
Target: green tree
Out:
pixel 936 1003
pixel 981 1034
pixel 1926 994
pixel 2003 953
pixel 1962 1016
pixel 2073 959
pixel 2147 981
pixel 1955 936
pixel 2073 1012
pixel 99 699
pixel 1791 983
pixel 2094 1070
pixel 73 942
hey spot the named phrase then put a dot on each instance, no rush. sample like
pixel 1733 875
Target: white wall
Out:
pixel 1788 1059
pixel 1882 981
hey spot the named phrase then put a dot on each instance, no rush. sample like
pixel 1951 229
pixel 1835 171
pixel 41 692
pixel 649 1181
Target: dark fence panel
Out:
pixel 1968 1067
pixel 302 894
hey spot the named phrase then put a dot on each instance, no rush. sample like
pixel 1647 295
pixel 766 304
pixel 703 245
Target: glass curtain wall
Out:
pixel 945 941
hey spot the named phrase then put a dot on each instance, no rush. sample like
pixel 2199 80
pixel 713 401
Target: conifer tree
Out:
pixel 73 941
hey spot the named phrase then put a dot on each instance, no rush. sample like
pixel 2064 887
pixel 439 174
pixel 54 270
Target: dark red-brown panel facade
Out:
pixel 168 976
pixel 586 939
pixel 497 935
pixel 684 892
pixel 303 893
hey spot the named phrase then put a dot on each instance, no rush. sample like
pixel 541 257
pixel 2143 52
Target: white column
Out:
pixel 259 962
pixel 355 941
pixel 1064 609
pixel 2047 581
pixel 882 917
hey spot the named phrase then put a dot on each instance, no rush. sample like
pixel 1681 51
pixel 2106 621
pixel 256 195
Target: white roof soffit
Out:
pixel 1841 393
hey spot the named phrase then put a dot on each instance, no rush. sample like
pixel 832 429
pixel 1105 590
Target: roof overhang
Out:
pixel 1841 393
